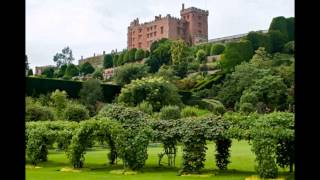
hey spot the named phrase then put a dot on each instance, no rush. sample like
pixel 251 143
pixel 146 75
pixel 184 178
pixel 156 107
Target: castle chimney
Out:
pixel 81 57
pixel 104 52
pixel 94 54
pixel 182 6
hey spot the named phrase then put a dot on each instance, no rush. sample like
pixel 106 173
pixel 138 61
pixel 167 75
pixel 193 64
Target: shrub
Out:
pixel 107 61
pixel 59 99
pixel 75 112
pixel 170 112
pixel 216 49
pixel 155 90
pixel 90 94
pixel 145 107
pixel 289 47
pixel 36 112
pixel 86 68
pixel 201 56
pixel 72 70
pixel 128 72
pixel 139 55
pixel 189 111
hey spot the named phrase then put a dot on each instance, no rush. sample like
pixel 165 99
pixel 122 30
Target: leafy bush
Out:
pixel 145 107
pixel 201 56
pixel 107 61
pixel 72 70
pixel 190 111
pixel 125 74
pixel 75 112
pixel 36 112
pixel 90 94
pixel 86 68
pixel 289 47
pixel 236 53
pixel 156 91
pixel 139 55
pixel 217 49
pixel 59 99
pixel 170 112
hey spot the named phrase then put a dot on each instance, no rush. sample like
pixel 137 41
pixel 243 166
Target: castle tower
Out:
pixel 196 24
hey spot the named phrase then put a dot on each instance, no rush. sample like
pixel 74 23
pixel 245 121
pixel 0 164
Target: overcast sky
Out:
pixel 94 26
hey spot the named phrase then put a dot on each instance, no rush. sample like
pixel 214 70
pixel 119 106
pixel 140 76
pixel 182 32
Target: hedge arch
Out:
pixel 195 133
pixel 167 132
pixel 86 133
pixel 40 135
pixel 132 143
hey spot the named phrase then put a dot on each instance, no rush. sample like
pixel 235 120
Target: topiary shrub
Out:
pixel 75 112
pixel 170 112
pixel 35 112
pixel 217 49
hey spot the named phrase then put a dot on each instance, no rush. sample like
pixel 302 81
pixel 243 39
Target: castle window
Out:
pixel 147 29
pixel 199 17
pixel 155 26
pixel 139 45
pixel 140 30
pixel 199 25
pixel 151 28
pixel 155 33
pixel 188 17
pixel 147 35
pixel 161 29
pixel 199 31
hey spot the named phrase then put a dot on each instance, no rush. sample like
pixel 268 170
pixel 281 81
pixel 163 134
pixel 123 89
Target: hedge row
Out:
pixel 36 86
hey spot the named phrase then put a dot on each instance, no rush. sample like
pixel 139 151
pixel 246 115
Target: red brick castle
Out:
pixel 191 27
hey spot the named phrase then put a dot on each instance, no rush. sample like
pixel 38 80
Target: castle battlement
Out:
pixel 192 26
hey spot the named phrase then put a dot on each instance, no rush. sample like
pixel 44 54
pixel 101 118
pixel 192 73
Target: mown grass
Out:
pixel 96 166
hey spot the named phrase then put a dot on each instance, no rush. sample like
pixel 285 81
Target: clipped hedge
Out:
pixel 36 86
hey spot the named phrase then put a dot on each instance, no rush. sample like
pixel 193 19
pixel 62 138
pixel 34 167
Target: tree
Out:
pixel 235 53
pixel 86 68
pixel 48 72
pixel 128 72
pixel 125 57
pixel 147 53
pixel 107 61
pixel 201 56
pixel 178 52
pixel 120 60
pixel 90 94
pixel 131 55
pixel 242 78
pixel 290 28
pixel 217 49
pixel 279 24
pixel 62 70
pixel 97 74
pixel 65 57
pixel 278 40
pixel 139 54
pixel 289 47
pixel 159 54
pixel 115 60
pixel 259 39
pixel 71 70
pixel 59 99
pixel 30 72
pixel 154 90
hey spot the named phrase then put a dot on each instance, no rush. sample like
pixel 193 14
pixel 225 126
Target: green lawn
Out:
pixel 97 168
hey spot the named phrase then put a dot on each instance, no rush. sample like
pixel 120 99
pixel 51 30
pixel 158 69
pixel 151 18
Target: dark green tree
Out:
pixel 217 49
pixel 72 70
pixel 131 55
pixel 90 94
pixel 86 68
pixel 30 72
pixel 65 57
pixel 278 40
pixel 107 61
pixel 235 53
pixel 139 54
pixel 48 72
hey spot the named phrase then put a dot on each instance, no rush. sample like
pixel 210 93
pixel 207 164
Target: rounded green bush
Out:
pixel 170 112
pixel 76 112
pixel 36 112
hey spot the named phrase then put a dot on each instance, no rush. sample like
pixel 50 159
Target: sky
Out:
pixel 94 26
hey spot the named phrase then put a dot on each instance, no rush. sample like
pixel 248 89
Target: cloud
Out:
pixel 92 26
